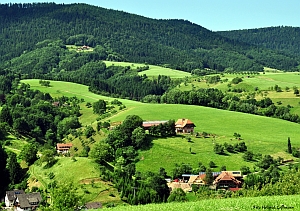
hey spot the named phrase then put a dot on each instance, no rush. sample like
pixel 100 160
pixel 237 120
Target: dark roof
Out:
pixel 29 200
pixel 11 195
pixel 93 205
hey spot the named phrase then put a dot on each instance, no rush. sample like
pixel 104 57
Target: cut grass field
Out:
pixel 153 71
pixel 240 204
pixel 83 173
pixel 261 134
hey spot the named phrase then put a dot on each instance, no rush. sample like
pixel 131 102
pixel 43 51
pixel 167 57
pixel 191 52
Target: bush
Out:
pixel 236 80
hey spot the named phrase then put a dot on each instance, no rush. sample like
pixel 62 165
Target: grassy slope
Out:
pixel 261 134
pixel 263 82
pixel 153 70
pixel 81 173
pixel 241 204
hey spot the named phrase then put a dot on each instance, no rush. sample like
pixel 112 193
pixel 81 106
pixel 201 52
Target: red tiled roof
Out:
pixel 63 146
pixel 183 122
pixel 226 176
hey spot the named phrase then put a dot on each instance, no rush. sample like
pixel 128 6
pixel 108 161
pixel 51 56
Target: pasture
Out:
pixel 261 134
pixel 82 172
pixel 261 85
pixel 153 71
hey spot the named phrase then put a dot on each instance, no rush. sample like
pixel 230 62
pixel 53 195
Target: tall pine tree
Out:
pixel 289 145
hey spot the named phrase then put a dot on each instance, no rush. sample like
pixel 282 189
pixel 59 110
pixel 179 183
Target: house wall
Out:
pixel 7 202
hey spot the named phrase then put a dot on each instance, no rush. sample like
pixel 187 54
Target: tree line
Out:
pixel 217 99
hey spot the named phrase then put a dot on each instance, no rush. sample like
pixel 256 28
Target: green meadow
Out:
pixel 153 71
pixel 262 82
pixel 261 134
pixel 83 173
pixel 240 204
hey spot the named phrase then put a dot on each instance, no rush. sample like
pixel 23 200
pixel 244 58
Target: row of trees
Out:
pixel 217 99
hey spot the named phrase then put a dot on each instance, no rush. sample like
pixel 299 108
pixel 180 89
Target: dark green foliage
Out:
pixel 245 170
pixel 212 164
pixel 283 38
pixel 237 135
pixel 236 80
pixel 48 157
pixel 29 154
pixel 3 172
pixel 13 168
pixel 248 156
pixel 64 197
pixel 219 149
pixel 101 152
pixel 154 41
pixel 163 129
pixel 36 114
pixel 223 168
pixel 208 179
pixel 181 169
pixel 240 147
pixel 89 131
pixel 289 150
pixel 295 152
pixel 228 147
pixel 213 79
pixel 266 162
pixel 177 195
pixel 44 83
pixel 99 107
pixel 139 139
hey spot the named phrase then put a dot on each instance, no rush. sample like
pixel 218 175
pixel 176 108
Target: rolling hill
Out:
pixel 176 150
pixel 178 44
pixel 282 38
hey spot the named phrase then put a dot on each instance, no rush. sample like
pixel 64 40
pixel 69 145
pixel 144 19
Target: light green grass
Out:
pixel 261 134
pixel 15 145
pixel 153 71
pixel 81 173
pixel 240 204
pixel 263 82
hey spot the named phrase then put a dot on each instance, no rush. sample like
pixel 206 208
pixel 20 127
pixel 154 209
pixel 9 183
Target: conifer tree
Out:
pixel 289 145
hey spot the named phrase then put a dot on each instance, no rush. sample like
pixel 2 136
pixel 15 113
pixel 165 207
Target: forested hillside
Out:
pixel 283 38
pixel 178 44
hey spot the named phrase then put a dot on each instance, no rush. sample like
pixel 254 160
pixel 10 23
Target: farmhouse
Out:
pixel 228 180
pixel 197 179
pixel 148 124
pixel 11 196
pixel 63 148
pixel 184 126
pixel 22 201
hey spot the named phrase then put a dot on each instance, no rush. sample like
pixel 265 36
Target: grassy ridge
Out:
pixel 153 70
pixel 241 204
pixel 261 134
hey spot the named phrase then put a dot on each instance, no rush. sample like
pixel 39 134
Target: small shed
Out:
pixel 93 205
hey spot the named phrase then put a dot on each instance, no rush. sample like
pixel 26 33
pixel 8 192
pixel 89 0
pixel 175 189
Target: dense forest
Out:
pixel 178 44
pixel 282 38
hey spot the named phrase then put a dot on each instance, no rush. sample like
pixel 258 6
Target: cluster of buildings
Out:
pixel 226 180
pixel 18 200
pixel 181 125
